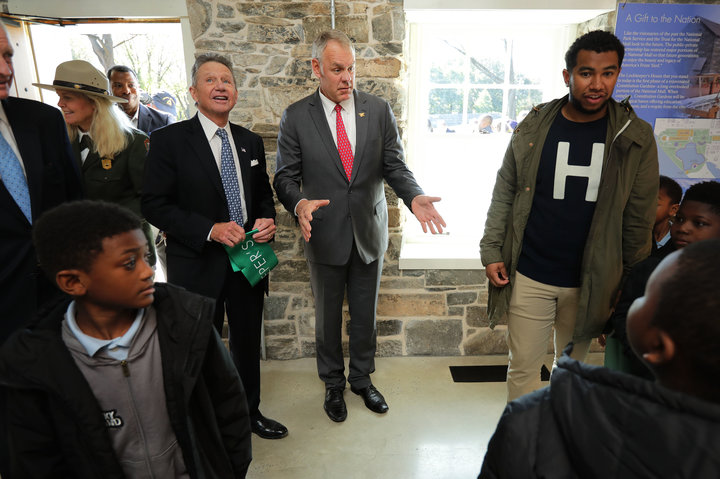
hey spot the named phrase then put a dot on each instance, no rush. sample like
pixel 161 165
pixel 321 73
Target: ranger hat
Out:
pixel 80 76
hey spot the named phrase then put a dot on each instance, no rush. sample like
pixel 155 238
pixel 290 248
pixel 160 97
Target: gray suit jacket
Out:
pixel 309 166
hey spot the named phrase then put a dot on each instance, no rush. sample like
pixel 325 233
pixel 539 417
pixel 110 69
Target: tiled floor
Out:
pixel 435 428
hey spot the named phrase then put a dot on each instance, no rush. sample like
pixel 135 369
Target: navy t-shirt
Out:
pixel 566 191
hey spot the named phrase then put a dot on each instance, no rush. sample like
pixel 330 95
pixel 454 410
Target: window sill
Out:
pixel 439 252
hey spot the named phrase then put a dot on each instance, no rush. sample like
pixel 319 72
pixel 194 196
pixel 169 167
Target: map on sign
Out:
pixel 688 148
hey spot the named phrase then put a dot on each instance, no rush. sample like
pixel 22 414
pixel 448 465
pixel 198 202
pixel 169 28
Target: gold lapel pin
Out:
pixel 362 114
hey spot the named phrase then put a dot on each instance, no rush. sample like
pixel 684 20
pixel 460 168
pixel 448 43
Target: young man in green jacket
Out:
pixel 572 209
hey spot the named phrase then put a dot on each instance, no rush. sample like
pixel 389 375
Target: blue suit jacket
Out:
pixel 52 176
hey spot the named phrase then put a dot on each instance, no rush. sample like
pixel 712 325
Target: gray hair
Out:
pixel 211 57
pixel 318 46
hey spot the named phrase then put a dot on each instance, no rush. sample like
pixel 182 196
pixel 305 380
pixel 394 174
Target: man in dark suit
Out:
pixel 124 84
pixel 35 139
pixel 38 173
pixel 205 185
pixel 335 147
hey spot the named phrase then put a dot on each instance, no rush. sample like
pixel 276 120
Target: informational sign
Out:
pixel 671 72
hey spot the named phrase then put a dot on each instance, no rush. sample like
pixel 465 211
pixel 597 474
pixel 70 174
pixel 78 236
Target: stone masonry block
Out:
pixel 276 306
pixel 390 347
pixel 476 316
pixel 200 14
pixel 225 11
pixel 279 328
pixel 433 337
pixel 355 26
pixel 401 283
pixel 307 349
pixel 461 298
pixel 389 327
pixel 429 304
pixel 272 34
pixel 382 27
pixel 379 67
pixel 454 277
pixel 232 26
pixel 281 348
pixel 290 270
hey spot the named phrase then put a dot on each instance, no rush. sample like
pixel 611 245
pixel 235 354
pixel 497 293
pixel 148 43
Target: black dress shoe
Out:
pixel 335 404
pixel 267 428
pixel 374 401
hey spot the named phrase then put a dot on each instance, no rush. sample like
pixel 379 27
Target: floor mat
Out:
pixel 486 374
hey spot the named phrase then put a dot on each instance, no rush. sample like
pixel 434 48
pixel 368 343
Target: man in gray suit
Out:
pixel 335 147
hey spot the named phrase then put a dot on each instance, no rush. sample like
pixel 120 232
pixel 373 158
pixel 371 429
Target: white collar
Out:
pixel 210 127
pixel 329 105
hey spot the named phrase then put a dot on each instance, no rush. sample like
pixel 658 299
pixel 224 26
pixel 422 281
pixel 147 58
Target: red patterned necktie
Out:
pixel 343 144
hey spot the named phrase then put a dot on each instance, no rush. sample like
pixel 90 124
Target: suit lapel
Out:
pixel 200 145
pixel 28 141
pixel 143 120
pixel 321 124
pixel 362 118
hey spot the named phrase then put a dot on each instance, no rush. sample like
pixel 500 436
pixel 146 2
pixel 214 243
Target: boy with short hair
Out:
pixel 669 195
pixel 697 219
pixel 595 423
pixel 129 379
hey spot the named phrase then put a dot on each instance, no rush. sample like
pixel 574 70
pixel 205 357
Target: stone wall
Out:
pixel 420 312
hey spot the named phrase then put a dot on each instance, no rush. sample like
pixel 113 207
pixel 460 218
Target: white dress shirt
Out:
pixel 210 129
pixel 348 118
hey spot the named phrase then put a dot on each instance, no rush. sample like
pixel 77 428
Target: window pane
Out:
pixel 445 109
pixel 482 100
pixel 487 65
pixel 521 101
pixel 447 64
pixel 524 69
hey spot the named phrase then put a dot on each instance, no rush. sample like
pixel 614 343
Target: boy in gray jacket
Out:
pixel 129 379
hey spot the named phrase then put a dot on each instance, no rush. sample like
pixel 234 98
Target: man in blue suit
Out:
pixel 124 84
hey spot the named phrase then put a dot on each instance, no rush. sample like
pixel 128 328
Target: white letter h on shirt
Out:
pixel 591 172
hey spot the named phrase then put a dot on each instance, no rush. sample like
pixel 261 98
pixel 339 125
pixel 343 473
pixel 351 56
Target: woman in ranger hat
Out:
pixel 109 151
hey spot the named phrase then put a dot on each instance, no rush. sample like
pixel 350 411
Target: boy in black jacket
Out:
pixel 697 219
pixel 130 379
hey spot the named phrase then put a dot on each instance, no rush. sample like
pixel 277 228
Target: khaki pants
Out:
pixel 535 310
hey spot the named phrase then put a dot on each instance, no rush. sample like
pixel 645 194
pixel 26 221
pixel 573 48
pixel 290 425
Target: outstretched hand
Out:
pixel 304 211
pixel 424 210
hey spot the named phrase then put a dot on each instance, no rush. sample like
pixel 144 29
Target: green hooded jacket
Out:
pixel 621 230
